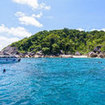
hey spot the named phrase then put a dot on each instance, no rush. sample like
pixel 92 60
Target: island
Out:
pixel 64 43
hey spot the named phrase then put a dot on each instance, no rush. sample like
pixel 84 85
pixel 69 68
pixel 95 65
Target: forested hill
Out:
pixel 63 41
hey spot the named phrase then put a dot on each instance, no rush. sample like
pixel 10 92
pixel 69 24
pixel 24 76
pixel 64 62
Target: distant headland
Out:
pixel 64 43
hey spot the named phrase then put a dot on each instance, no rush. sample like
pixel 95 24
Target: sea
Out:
pixel 53 81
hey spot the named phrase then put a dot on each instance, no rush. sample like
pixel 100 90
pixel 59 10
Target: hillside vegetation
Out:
pixel 63 41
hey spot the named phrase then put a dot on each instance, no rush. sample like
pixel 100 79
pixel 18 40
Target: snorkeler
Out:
pixel 4 70
pixel 99 62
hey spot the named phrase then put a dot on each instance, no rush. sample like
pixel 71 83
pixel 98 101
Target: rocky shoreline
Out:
pixel 13 51
pixel 60 56
pixel 54 56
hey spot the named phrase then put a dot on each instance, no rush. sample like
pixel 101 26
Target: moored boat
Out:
pixel 9 59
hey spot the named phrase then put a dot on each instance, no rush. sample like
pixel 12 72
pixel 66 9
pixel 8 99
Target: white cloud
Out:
pixel 43 6
pixel 80 29
pixel 103 29
pixel 94 29
pixel 37 16
pixel 17 32
pixel 10 35
pixel 98 29
pixel 29 20
pixel 5 41
pixel 33 4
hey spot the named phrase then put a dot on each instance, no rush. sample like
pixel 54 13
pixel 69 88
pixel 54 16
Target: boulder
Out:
pixel 101 55
pixel 97 49
pixel 66 56
pixel 21 55
pixel 9 50
pixel 61 52
pixel 27 56
pixel 38 56
pixel 30 54
pixel 92 54
pixel 39 53
pixel 78 54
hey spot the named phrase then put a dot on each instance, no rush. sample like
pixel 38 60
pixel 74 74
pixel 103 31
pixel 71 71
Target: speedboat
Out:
pixel 9 59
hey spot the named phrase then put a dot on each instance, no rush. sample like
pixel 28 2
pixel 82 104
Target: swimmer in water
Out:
pixel 99 62
pixel 4 71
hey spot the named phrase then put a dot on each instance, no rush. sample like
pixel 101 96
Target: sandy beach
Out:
pixel 82 56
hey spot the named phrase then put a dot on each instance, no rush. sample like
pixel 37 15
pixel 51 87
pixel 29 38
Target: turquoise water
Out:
pixel 53 81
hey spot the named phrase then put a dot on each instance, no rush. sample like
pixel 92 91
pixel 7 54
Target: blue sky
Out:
pixel 22 18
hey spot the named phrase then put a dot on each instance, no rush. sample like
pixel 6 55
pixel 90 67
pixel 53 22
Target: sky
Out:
pixel 23 18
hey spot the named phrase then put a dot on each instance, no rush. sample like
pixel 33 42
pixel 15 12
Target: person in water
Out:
pixel 99 62
pixel 4 70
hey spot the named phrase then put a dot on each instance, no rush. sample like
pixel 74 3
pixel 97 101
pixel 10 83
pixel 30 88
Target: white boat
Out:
pixel 9 59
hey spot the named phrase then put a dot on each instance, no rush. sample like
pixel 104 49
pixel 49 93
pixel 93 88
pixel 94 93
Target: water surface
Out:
pixel 53 81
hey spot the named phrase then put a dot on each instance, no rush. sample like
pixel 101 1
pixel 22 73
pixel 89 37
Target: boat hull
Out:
pixel 9 60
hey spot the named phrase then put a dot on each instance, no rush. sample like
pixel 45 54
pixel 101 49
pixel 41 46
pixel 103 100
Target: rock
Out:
pixel 92 54
pixel 66 56
pixel 38 56
pixel 9 50
pixel 21 55
pixel 4 53
pixel 97 49
pixel 27 56
pixel 101 55
pixel 78 54
pixel 61 52
pixel 39 53
pixel 30 54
